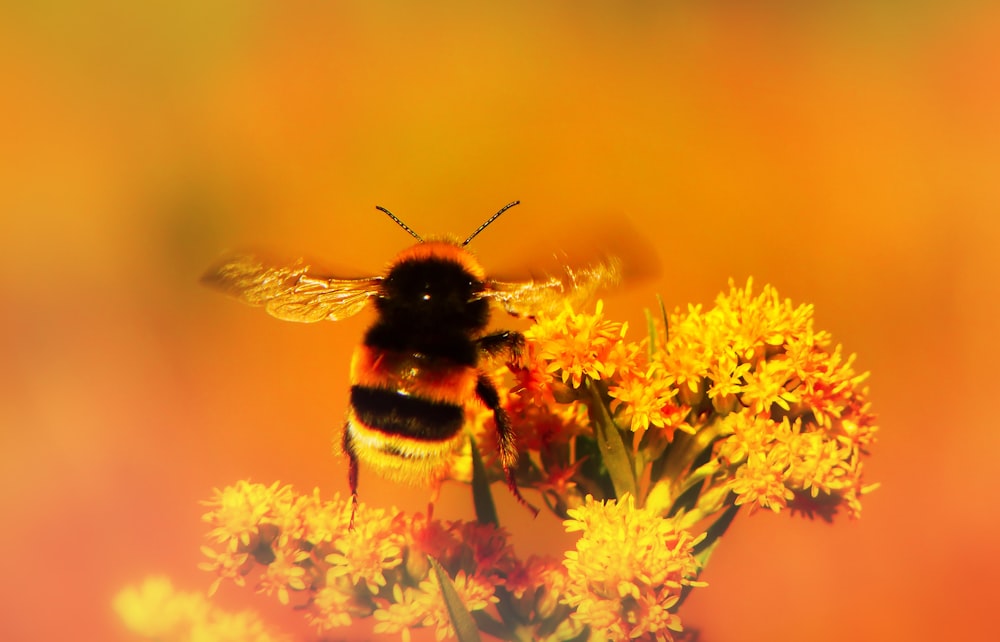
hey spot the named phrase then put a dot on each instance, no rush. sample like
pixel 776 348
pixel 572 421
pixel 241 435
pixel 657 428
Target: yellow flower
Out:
pixel 761 481
pixel 156 611
pixel 364 554
pixel 728 377
pixel 424 605
pixel 404 612
pixel 320 522
pixel 330 608
pixel 238 510
pixel 226 565
pixel 747 433
pixel 284 572
pixel 536 587
pixel 687 356
pixel 575 345
pixel 628 569
pixel 624 357
pixel 475 592
pixel 766 386
pixel 648 399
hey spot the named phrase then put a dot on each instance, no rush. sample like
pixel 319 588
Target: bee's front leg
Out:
pixel 506 342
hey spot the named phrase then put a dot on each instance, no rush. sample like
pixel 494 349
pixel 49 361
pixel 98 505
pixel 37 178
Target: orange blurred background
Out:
pixel 847 155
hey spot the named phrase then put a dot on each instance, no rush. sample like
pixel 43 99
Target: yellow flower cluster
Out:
pixel 628 570
pixel 304 551
pixel 745 403
pixel 156 611
pixel 791 416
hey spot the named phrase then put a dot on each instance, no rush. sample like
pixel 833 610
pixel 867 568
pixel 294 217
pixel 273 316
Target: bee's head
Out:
pixel 434 285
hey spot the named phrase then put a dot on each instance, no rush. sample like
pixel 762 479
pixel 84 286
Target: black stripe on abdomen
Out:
pixel 396 414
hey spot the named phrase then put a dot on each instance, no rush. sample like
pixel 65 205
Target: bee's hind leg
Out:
pixel 506 443
pixel 352 469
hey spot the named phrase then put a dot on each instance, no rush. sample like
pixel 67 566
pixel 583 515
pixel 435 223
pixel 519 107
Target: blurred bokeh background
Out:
pixel 848 154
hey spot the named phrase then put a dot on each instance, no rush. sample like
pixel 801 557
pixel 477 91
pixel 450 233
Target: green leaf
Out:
pixel 490 626
pixel 614 454
pixel 593 478
pixel 461 619
pixel 651 328
pixel 666 321
pixel 651 331
pixel 482 498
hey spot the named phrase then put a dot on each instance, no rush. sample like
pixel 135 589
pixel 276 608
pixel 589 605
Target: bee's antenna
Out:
pixel 491 219
pixel 406 227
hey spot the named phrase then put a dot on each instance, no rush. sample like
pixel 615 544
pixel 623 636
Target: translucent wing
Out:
pixel 291 293
pixel 550 294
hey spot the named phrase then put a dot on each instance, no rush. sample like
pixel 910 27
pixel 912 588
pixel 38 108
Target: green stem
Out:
pixel 616 457
pixel 684 450
pixel 703 550
pixel 482 498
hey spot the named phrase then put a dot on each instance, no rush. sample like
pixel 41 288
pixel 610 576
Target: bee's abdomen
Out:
pixel 406 412
pixel 396 414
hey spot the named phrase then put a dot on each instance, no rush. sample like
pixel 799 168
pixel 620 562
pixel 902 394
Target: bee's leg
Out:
pixel 487 393
pixel 352 469
pixel 493 345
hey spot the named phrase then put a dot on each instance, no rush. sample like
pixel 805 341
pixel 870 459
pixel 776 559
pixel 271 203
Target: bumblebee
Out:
pixel 419 363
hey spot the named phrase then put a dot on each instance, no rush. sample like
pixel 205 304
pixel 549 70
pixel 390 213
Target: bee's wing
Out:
pixel 549 295
pixel 291 293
